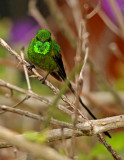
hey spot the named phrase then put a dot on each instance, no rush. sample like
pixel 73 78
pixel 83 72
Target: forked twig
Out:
pixel 25 71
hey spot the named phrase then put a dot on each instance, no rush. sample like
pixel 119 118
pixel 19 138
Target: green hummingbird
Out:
pixel 45 53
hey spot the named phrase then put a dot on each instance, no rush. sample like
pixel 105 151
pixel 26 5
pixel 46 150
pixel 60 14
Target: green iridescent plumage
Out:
pixel 46 54
pixel 43 35
pixel 42 48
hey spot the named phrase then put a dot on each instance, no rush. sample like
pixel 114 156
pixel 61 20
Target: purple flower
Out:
pixel 106 6
pixel 23 30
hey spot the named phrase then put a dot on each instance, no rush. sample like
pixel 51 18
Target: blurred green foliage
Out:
pixel 99 152
pixel 36 137
pixel 119 84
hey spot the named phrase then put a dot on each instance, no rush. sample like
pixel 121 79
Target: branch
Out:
pixel 34 116
pixel 51 136
pixel 93 97
pixel 40 151
pixel 34 12
pixel 25 71
pixel 89 128
pixel 36 96
pixel 61 22
pixel 21 90
pixel 92 127
pixel 67 133
pixel 109 148
pixel 118 14
pixel 107 21
pixel 76 11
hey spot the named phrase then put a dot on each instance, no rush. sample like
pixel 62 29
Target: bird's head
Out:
pixel 43 41
pixel 43 35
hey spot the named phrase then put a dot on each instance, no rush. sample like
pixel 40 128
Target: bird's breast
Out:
pixel 45 62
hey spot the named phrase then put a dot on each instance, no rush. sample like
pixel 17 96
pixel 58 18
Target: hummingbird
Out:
pixel 45 53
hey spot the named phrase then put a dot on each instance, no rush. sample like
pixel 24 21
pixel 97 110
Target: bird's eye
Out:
pixel 37 38
pixel 49 39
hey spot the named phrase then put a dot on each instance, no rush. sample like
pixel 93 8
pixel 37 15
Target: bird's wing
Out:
pixel 58 59
pixel 61 72
pixel 56 76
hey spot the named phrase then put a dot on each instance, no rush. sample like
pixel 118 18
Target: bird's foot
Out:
pixel 30 67
pixel 43 80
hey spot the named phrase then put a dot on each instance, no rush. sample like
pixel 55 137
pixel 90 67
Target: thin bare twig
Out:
pixel 76 11
pixel 117 52
pixel 35 13
pixel 36 96
pixel 28 93
pixel 107 21
pixel 78 90
pixel 64 141
pixel 60 20
pixel 95 10
pixel 101 78
pixel 34 116
pixel 82 45
pixel 25 71
pixel 118 14
pixel 110 149
pixel 85 48
pixel 16 105
pixel 5 145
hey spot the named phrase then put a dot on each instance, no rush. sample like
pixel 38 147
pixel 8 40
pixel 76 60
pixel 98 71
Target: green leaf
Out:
pixel 36 137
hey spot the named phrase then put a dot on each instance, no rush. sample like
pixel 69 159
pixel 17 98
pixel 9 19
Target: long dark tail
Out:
pixel 91 114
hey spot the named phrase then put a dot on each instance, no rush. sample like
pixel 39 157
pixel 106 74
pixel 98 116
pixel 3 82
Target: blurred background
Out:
pixel 104 74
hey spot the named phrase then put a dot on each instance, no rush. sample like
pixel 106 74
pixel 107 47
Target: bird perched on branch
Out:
pixel 45 53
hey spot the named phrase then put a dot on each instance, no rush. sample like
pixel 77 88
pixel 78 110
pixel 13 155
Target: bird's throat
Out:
pixel 42 48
